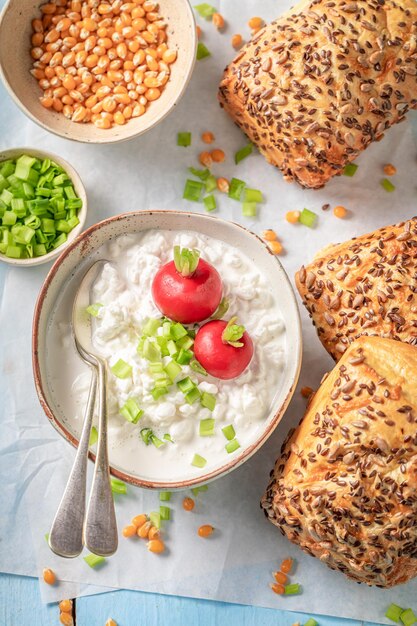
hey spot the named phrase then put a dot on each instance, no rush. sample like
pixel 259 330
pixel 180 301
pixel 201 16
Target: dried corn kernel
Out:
pixel 49 576
pixel 339 211
pixel 188 504
pixel 205 531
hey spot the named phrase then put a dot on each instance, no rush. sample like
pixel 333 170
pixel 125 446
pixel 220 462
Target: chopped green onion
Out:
pixel 165 496
pixel 198 461
pixel 165 513
pixel 184 139
pixel 47 537
pixel 118 486
pixel 202 51
pixel 150 350
pixel 236 188
pixel 208 400
pixel 221 309
pixel 93 560
pixel 387 185
pixel 196 490
pixel 186 261
pixel 184 357
pixel 350 169
pixel 151 327
pixel 207 427
pixel 195 365
pixel 308 218
pixel 178 331
pixel 292 590
pixel 146 434
pixel 393 612
pixel 210 203
pixel 121 369
pixel 193 190
pixel 172 347
pixel 233 332
pixel 253 195
pixel 93 436
pixel 131 412
pixel 157 442
pixel 229 432
pixel 192 396
pixel 249 209
pixel 205 10
pixel 243 153
pixel 158 392
pixel 155 518
pixel 202 174
pixel 168 437
pixel 232 446
pixel 173 370
pixel 408 618
pixel 185 385
pixel 211 183
pixel 311 622
pixel 184 342
pixel 94 309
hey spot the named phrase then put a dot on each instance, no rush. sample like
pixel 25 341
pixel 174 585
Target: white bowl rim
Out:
pixel 82 215
pixel 247 452
pixel 157 120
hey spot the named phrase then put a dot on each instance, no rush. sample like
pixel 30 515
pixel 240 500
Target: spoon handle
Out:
pixel 100 530
pixel 65 537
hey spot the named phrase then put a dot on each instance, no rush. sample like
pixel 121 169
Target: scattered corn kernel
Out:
pixel 275 247
pixel 218 20
pixel 237 41
pixel 143 531
pixel 269 235
pixel 278 589
pixel 66 619
pixel 223 185
pixel 65 606
pixel 129 531
pixel 49 576
pixel 199 32
pixel 139 520
pixel 390 170
pixel 207 137
pixel 111 622
pixel 280 577
pixel 205 531
pixel 154 533
pixel 339 211
pixel 292 216
pixel 217 155
pixel 286 566
pixel 188 504
pixel 255 23
pixel 306 392
pixel 156 545
pixel 205 159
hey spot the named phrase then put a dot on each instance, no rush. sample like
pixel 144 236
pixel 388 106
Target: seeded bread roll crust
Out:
pixel 315 87
pixel 365 286
pixel 345 486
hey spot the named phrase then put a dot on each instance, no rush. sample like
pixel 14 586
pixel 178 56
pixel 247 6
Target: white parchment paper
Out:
pixel 149 172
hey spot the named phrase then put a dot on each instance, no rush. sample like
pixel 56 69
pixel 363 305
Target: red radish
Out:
pixel 187 289
pixel 224 349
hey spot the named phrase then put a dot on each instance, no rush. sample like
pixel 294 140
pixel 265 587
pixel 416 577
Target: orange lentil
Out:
pixel 205 159
pixel 339 211
pixel 255 23
pixel 275 247
pixel 205 531
pixel 217 155
pixel 237 41
pixel 269 235
pixel 65 606
pixel 49 576
pixel 143 531
pixel 129 531
pixel 156 545
pixel 218 20
pixel 306 392
pixel 66 619
pixel 188 504
pixel 280 577
pixel 390 170
pixel 292 217
pixel 278 589
pixel 286 565
pixel 223 185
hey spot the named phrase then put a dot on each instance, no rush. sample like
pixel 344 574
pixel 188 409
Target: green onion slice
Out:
pixel 195 365
pixel 146 434
pixel 131 411
pixel 249 209
pixel 308 218
pixel 198 461
pixel 350 169
pixel 205 10
pixel 393 612
pixel 229 432
pixel 118 486
pixel 292 590
pixel 184 139
pixel 211 183
pixel 196 490
pixel 208 400
pixel 233 332
pixel 193 190
pixel 93 560
pixel 408 618
pixel 253 195
pixel 243 153
pixel 210 203
pixel 168 437
pixel 155 518
pixel 185 385
pixel 387 185
pixel 311 622
pixel 207 427
pixel 202 174
pixel 93 436
pixel 236 188
pixel 202 51
pixel 232 446
pixel 165 496
pixel 157 442
pixel 121 369
pixel 165 513
pixel 94 309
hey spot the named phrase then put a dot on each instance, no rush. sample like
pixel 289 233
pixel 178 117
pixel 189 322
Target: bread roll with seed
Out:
pixel 315 87
pixel 365 286
pixel 345 486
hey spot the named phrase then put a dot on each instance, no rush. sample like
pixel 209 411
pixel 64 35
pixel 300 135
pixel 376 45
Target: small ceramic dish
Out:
pixel 79 190
pixel 16 63
pixel 52 342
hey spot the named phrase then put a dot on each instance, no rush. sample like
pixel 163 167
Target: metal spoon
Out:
pixel 99 533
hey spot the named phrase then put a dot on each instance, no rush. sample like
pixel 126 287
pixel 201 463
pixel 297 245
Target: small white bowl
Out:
pixel 64 277
pixel 16 63
pixel 79 190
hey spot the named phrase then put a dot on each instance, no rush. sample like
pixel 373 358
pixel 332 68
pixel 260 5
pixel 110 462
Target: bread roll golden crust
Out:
pixel 315 87
pixel 345 486
pixel 365 286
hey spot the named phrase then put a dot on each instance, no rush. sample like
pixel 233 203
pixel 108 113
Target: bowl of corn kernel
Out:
pixel 97 71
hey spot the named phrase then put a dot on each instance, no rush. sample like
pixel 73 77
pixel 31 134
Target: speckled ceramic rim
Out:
pixel 134 480
pixel 102 138
pixel 12 153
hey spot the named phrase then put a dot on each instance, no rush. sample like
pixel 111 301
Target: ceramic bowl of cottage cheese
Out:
pixel 172 439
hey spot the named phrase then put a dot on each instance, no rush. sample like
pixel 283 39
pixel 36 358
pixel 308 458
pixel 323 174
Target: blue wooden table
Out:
pixel 20 605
